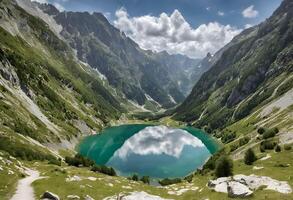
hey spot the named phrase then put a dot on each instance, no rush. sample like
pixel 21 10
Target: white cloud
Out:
pixel 158 140
pixel 220 13
pixel 174 34
pixel 249 12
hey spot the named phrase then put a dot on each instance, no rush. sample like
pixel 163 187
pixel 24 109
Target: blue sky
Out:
pixel 195 12
pixel 215 17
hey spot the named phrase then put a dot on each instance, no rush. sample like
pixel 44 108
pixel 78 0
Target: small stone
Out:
pixel 88 197
pixel 74 197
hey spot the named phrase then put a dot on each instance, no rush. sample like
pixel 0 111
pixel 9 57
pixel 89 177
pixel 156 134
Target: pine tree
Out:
pixel 249 157
pixel 224 167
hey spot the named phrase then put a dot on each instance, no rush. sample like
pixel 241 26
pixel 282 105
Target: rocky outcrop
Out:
pixel 241 186
pixel 7 72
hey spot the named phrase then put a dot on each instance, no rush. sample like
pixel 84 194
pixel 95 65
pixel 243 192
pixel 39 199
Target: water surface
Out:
pixel 155 151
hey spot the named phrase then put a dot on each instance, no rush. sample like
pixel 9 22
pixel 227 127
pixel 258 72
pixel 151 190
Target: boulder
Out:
pixel 241 186
pixel 50 196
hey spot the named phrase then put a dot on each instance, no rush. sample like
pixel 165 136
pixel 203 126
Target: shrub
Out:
pixel 104 170
pixel 287 147
pixel 278 148
pixel 168 181
pixel 134 177
pixel 270 133
pixel 261 130
pixel 19 150
pixel 224 167
pixel 233 147
pixel 244 140
pixel 268 145
pixel 228 137
pixel 79 160
pixel 145 179
pixel 249 157
pixel 189 178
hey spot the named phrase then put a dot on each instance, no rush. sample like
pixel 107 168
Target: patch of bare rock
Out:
pixel 135 196
pixel 243 186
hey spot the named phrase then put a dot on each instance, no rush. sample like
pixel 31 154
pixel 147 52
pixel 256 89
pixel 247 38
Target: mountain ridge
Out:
pixel 246 64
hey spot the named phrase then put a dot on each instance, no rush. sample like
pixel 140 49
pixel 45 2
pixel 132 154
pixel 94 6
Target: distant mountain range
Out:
pixel 143 76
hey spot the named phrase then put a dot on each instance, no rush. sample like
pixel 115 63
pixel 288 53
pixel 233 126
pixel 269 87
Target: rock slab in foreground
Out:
pixel 243 186
pixel 136 196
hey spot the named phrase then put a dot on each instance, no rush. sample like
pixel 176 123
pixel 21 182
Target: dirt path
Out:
pixel 24 189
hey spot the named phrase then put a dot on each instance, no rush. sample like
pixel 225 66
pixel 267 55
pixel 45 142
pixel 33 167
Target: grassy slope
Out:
pixel 99 189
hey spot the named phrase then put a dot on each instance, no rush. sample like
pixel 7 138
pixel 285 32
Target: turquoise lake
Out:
pixel 148 150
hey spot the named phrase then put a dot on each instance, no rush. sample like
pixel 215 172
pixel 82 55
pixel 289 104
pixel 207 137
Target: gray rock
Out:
pixel 75 197
pixel 238 190
pixel 88 197
pixel 8 73
pixel 50 196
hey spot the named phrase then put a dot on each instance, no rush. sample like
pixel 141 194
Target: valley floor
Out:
pixel 67 181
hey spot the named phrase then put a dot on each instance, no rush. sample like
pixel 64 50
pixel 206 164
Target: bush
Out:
pixel 189 178
pixel 270 133
pixel 134 177
pixel 79 160
pixel 224 167
pixel 278 148
pixel 261 130
pixel 104 170
pixel 249 157
pixel 25 152
pixel 168 181
pixel 145 179
pixel 233 147
pixel 287 147
pixel 228 137
pixel 244 140
pixel 267 145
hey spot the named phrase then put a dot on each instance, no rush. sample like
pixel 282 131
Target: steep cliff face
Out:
pixel 47 94
pixel 140 75
pixel 245 76
pixel 183 70
pixel 127 67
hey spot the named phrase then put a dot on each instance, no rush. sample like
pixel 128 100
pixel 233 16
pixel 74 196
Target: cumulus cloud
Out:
pixel 158 140
pixel 250 12
pixel 174 34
